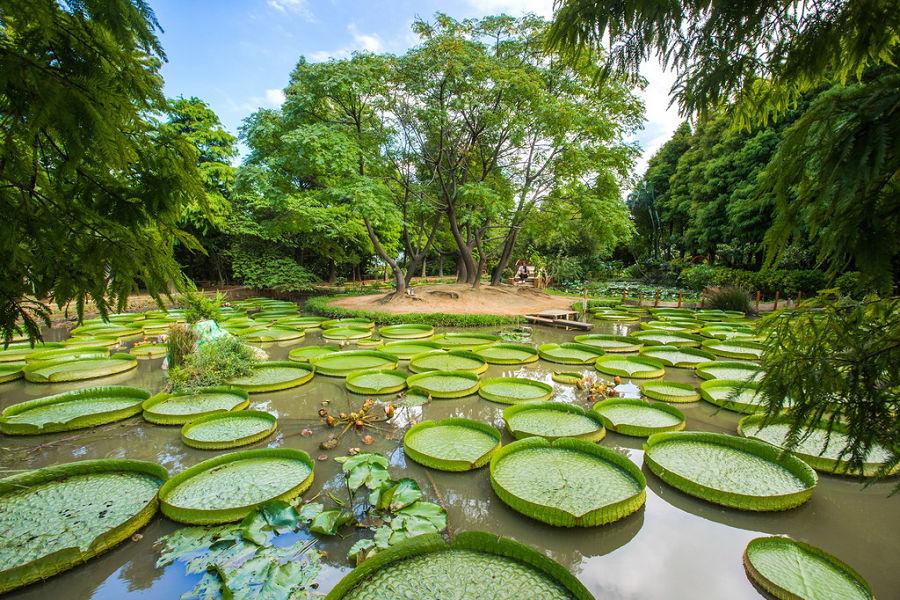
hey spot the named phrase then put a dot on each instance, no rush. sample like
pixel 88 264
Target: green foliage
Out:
pixel 698 277
pixel 91 186
pixel 320 305
pixel 270 271
pixel 838 360
pixel 728 298
pixel 199 307
pixel 181 341
pixel 212 364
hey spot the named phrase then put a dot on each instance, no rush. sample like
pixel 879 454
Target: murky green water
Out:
pixel 675 547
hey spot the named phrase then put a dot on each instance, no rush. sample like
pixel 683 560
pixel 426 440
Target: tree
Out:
pixel 91 187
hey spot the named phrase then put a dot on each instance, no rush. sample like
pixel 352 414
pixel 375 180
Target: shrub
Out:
pixel 181 343
pixel 320 305
pixel 727 298
pixel 699 277
pixel 212 364
pixel 268 270
pixel 850 284
pixel 198 307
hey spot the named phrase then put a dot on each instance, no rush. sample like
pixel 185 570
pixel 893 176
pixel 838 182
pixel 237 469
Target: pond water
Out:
pixel 675 547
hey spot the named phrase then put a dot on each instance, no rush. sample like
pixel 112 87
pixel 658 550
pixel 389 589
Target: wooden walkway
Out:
pixel 558 318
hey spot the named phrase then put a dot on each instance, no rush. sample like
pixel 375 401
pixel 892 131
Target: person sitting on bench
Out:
pixel 522 271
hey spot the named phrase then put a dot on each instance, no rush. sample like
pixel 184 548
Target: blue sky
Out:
pixel 238 54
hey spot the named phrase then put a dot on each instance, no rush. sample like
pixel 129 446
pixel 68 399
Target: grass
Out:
pixel 321 305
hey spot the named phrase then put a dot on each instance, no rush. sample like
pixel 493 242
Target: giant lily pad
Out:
pixel 178 409
pixel 727 332
pixel 638 418
pixel 670 391
pixel 513 390
pixel 615 315
pixel 87 407
pixel 52 371
pixel 451 444
pixel 229 487
pixel 816 446
pixel 553 420
pixel 610 343
pixel 155 327
pixel 406 350
pixel 656 337
pixel 275 375
pixel 728 470
pixel 301 322
pixel 733 370
pixel 570 353
pixel 341 364
pixel 739 396
pixel 676 326
pixel 567 377
pixel 62 354
pixel 426 567
pixel 273 314
pixel 55 518
pixel 274 334
pixel 108 330
pixel 636 367
pixel 19 351
pixel 346 333
pixel 464 341
pixel 454 360
pixel 307 353
pixel 228 429
pixel 86 341
pixel 149 351
pixel 348 322
pixel 674 356
pixel 10 371
pixel 567 482
pixel 789 569
pixel 376 381
pixel 507 354
pixel 369 343
pixel 445 384
pixel 406 331
pixel 734 348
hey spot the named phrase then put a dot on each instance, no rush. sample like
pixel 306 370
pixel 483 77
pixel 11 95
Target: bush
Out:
pixel 699 277
pixel 850 284
pixel 727 298
pixel 320 305
pixel 181 342
pixel 268 270
pixel 198 307
pixel 212 364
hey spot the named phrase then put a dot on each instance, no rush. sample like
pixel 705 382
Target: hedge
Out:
pixel 321 305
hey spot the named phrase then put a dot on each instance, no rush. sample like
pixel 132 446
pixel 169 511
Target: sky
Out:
pixel 237 55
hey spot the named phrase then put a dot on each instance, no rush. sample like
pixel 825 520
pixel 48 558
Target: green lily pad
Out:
pixel 464 341
pixel 275 375
pixel 553 420
pixel 513 390
pixel 229 487
pixel 406 331
pixel 19 351
pixel 274 334
pixel 667 338
pixel 52 371
pixel 567 377
pixel 674 356
pixel 426 567
pixel 149 351
pixel 406 350
pixel 610 343
pixel 108 330
pixel 817 447
pixel 728 470
pixel 341 364
pixel 739 396
pixel 451 444
pixel 638 418
pixel 86 341
pixel 735 371
pixel 228 429
pixel 346 333
pixel 727 332
pixel 58 517
pixel 508 354
pixel 273 314
pixel 670 391
pixel 454 360
pixel 154 327
pixel 307 353
pixel 567 482
pixel 734 349
pixel 10 371
pixel 615 315
pixel 87 407
pixel 676 326
pixel 570 353
pixel 349 322
pixel 635 367
pixel 789 569
pixel 178 409
pixel 61 354
pixel 301 322
pixel 376 381
pixel 369 343
pixel 445 384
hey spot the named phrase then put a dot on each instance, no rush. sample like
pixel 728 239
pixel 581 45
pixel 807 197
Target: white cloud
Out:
pixel 297 7
pixel 368 42
pixel 274 97
pixel 543 8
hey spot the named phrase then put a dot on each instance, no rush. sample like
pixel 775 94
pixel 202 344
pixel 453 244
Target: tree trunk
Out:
pixel 332 273
pixel 465 249
pixel 508 246
pixel 399 280
pixel 462 274
pixel 440 265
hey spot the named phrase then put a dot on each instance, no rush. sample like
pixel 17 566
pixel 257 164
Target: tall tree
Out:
pixel 91 187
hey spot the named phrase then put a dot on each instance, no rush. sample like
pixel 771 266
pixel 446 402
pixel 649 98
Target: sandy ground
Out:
pixel 460 299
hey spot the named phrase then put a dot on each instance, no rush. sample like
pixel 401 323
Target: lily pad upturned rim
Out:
pixel 197 516
pixel 406 331
pixel 700 354
pixel 658 370
pixel 700 370
pixel 819 463
pixel 592 436
pixel 567 377
pixel 295 353
pixel 348 333
pixel 638 430
pixel 233 443
pixel 47 566
pixel 485 339
pixel 546 352
pixel 82 422
pixel 647 390
pixel 534 383
pixel 447 464
pixel 67 353
pixel 10 371
pixel 684 340
pixel 279 385
pixel 299 322
pixel 480 541
pixel 741 407
pixel 352 382
pixel 557 516
pixel 417 368
pixel 390 347
pixel 415 381
pixel 634 344
pixel 760 579
pixel 391 362
pixel 493 360
pixel 775 502
pixel 165 419
pixel 126 362
pixel 269 334
pixel 709 345
pixel 347 322
pixel 149 351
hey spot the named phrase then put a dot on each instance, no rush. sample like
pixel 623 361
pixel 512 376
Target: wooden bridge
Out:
pixel 558 318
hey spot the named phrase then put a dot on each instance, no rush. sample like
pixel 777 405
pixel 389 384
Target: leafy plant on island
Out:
pixel 200 307
pixel 209 364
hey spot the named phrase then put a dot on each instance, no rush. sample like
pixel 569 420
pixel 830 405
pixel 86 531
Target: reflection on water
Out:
pixel 675 547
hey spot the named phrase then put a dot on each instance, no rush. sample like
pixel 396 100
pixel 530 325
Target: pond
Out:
pixel 676 546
